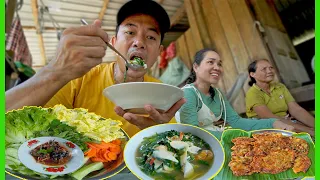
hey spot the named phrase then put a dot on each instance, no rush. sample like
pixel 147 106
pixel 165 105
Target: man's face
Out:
pixel 138 36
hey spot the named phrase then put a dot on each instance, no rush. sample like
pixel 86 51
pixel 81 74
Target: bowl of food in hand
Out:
pixel 61 143
pixel 133 96
pixel 174 151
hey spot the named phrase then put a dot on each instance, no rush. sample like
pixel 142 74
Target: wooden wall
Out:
pixel 229 26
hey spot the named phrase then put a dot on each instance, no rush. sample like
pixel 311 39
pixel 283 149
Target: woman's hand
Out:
pixel 281 125
pixel 154 118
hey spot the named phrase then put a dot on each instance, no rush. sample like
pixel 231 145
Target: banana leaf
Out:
pixel 226 172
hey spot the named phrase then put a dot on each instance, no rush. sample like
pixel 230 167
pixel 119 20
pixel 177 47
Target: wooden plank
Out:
pixel 219 40
pixel 203 29
pixel 10 10
pixel 250 35
pixel 174 19
pixel 266 14
pixel 190 41
pixel 182 51
pixel 34 6
pixel 103 9
pixel 303 93
pixel 53 29
pixel 193 26
pixel 237 47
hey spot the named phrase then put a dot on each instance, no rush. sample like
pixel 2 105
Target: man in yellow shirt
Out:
pixel 141 25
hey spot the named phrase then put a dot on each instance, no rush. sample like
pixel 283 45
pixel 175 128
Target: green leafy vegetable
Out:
pixel 62 130
pixel 137 61
pixel 45 151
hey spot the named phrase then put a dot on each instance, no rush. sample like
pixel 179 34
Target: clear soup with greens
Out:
pixel 174 155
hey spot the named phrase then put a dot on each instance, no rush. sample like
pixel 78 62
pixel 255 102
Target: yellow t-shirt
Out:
pixel 277 101
pixel 86 92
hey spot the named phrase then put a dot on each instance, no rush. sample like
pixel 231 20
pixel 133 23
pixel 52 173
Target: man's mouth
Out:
pixel 137 55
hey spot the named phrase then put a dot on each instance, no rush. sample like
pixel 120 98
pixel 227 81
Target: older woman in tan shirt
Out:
pixel 268 99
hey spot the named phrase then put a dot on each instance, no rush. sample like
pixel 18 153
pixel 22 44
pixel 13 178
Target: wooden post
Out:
pixel 238 50
pixel 103 9
pixel 182 51
pixel 10 10
pixel 195 32
pixel 220 42
pixel 266 14
pixel 203 29
pixel 246 26
pixel 34 6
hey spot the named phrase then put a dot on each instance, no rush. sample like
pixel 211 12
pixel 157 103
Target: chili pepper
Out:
pixel 70 145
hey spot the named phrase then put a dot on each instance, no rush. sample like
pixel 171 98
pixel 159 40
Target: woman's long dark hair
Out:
pixel 197 60
pixel 252 68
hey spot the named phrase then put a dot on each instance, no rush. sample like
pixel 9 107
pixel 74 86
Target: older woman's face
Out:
pixel 210 68
pixel 264 72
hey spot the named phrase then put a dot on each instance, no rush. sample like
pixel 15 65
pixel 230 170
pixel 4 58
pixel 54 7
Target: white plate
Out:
pixel 134 96
pixel 26 158
pixel 135 142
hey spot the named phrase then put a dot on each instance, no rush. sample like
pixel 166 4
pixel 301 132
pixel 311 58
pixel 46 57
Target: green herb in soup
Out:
pixel 138 61
pixel 174 155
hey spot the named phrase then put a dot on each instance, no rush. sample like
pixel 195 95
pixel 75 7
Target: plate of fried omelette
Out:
pixel 267 154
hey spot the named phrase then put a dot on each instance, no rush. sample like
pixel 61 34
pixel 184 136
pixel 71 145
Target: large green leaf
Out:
pixel 226 172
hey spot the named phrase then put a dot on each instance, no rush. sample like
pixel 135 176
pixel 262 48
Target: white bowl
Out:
pixel 132 97
pixel 135 142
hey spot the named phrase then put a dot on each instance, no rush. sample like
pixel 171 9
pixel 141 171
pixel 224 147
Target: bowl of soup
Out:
pixel 174 151
pixel 133 96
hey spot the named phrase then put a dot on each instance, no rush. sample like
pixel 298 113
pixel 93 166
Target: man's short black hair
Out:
pixel 148 7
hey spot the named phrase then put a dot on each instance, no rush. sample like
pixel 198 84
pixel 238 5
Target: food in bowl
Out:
pixel 51 153
pixel 174 155
pixel 269 153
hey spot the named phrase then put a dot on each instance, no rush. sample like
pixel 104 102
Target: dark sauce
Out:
pixel 51 153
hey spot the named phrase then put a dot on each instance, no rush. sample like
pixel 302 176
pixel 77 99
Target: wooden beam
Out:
pixel 234 39
pixel 34 6
pixel 174 19
pixel 195 32
pixel 53 29
pixel 10 10
pixel 182 51
pixel 103 9
pixel 202 26
pixel 220 43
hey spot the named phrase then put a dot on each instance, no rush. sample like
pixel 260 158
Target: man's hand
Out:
pixel 281 125
pixel 154 118
pixel 79 50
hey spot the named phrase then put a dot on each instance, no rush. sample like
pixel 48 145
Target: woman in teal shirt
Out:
pixel 205 104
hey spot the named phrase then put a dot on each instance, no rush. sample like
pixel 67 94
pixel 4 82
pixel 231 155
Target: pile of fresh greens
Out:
pixel 30 122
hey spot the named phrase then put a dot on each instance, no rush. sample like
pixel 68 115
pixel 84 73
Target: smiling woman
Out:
pixel 205 103
pixel 269 99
